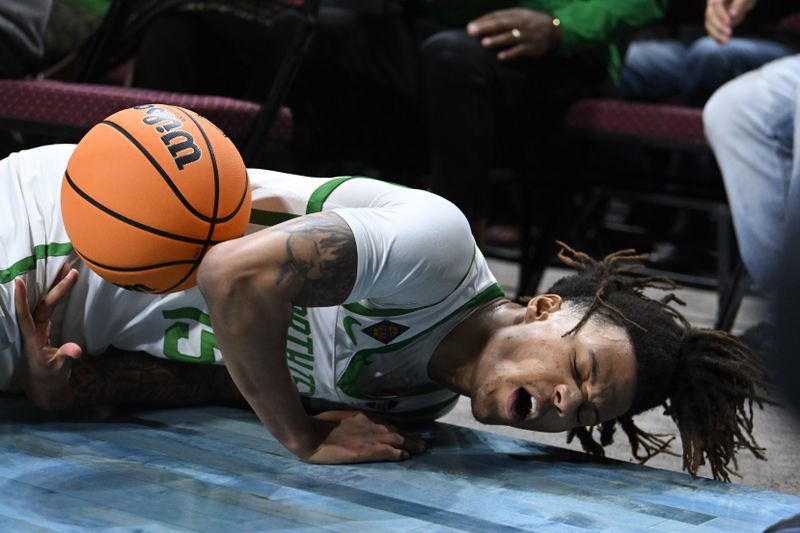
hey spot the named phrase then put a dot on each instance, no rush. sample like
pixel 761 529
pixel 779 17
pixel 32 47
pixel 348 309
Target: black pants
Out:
pixel 11 65
pixel 476 107
pixel 208 52
pixel 354 97
pixel 380 75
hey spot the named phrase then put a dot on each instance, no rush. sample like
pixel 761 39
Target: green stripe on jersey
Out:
pixel 41 251
pixel 269 218
pixel 322 192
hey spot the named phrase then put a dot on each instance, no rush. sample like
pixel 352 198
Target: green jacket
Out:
pixel 595 26
pixel 98 7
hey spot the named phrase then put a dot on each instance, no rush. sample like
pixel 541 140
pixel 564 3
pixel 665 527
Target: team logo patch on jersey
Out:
pixel 385 331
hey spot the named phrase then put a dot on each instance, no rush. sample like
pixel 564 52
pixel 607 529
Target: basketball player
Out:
pixel 364 297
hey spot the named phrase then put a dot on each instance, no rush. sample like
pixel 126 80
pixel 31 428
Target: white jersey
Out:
pixel 419 275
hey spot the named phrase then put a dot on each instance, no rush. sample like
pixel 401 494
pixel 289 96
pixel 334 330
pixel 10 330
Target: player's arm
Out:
pixel 58 378
pixel 251 285
pixel 136 379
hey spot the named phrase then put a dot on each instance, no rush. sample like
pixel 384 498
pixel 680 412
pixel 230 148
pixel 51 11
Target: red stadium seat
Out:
pixel 671 126
pixel 63 110
pixel 52 106
pixel 650 126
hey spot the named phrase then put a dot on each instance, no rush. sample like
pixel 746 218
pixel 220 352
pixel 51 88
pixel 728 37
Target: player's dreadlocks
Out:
pixel 707 381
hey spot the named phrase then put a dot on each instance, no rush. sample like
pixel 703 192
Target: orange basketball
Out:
pixel 148 191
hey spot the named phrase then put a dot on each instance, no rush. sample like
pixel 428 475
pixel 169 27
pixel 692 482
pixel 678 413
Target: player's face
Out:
pixel 533 377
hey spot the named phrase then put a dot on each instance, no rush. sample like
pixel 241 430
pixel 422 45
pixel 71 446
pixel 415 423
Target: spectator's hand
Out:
pixel 353 437
pixel 47 368
pixel 519 32
pixel 724 15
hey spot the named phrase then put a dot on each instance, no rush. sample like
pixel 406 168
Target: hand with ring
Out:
pixel 517 32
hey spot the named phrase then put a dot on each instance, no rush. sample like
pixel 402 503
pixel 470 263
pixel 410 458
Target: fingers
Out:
pixel 65 280
pixel 739 9
pixel 718 20
pixel 512 53
pixel 70 349
pixel 34 327
pixel 393 453
pixel 501 40
pixel 397 439
pixel 496 22
pixel 24 318
pixel 357 438
pixel 63 283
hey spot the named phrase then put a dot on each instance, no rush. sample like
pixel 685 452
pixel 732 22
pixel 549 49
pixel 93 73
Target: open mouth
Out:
pixel 521 404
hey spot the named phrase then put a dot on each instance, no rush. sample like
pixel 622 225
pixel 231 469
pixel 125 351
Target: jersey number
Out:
pixel 181 331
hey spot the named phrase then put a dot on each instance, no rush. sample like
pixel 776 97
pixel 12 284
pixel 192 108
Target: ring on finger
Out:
pixel 516 33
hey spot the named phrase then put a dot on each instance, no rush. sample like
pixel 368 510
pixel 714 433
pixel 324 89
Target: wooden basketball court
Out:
pixel 218 470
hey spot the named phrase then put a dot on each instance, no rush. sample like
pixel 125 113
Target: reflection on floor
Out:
pixel 217 469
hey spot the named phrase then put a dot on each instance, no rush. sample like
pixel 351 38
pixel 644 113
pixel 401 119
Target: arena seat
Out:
pixel 70 109
pixel 670 126
pixel 63 110
pixel 663 129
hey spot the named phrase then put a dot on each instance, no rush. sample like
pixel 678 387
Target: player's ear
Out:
pixel 540 307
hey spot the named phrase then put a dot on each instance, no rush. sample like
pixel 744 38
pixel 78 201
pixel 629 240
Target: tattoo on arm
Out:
pixel 136 379
pixel 321 259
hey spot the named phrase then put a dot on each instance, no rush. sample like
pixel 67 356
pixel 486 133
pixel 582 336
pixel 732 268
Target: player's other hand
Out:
pixel 353 437
pixel 47 368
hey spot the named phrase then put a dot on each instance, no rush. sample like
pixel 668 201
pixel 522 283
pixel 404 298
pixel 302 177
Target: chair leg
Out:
pixel 536 254
pixel 730 299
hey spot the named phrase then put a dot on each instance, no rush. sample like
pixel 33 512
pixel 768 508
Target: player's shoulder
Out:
pixel 441 222
pixel 33 164
pixel 51 155
pixel 49 152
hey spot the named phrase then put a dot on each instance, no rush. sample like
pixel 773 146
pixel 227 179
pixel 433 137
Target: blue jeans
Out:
pixel 658 68
pixel 750 123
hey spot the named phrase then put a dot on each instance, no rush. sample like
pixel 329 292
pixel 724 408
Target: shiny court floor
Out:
pixel 218 470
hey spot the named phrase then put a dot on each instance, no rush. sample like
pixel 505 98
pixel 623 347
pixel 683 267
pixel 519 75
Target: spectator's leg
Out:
pixel 652 69
pixel 462 85
pixel 709 64
pixel 750 125
pixel 167 56
pixel 10 64
pixel 355 82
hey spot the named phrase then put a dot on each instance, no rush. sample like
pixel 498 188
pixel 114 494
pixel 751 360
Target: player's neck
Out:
pixel 453 362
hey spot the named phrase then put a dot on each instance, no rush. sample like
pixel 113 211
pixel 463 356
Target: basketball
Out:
pixel 148 191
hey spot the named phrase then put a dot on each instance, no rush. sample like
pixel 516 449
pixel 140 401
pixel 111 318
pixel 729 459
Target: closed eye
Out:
pixel 578 381
pixel 575 372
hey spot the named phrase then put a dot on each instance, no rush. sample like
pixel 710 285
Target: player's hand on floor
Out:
pixel 353 437
pixel 47 367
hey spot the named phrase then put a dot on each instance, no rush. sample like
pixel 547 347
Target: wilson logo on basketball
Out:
pixel 180 143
